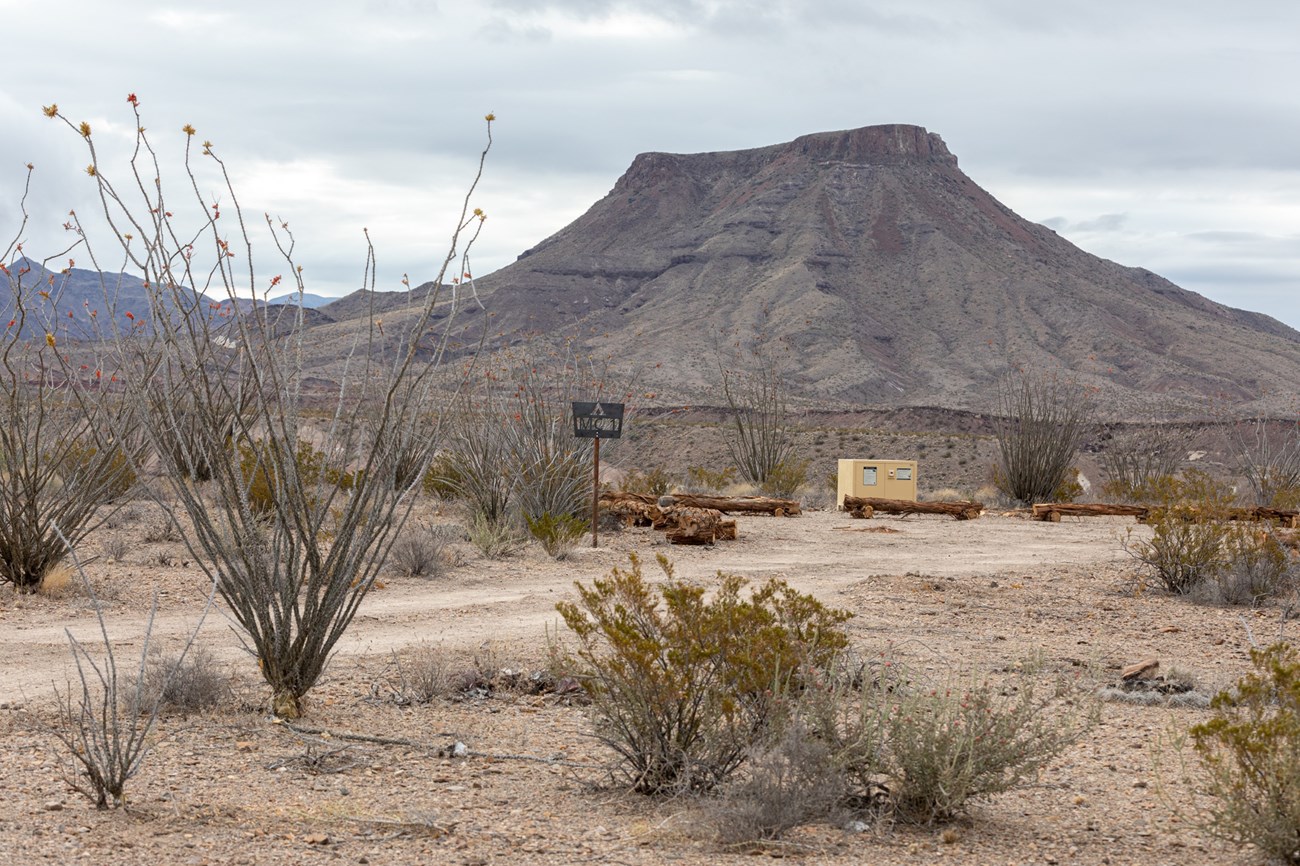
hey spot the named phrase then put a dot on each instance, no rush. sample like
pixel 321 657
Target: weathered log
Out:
pixel 1054 511
pixel 617 496
pixel 686 525
pixel 683 523
pixel 634 508
pixel 1284 517
pixel 861 512
pixel 740 504
pixel 961 510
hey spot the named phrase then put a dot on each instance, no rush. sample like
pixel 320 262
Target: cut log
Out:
pixel 1054 511
pixel 740 504
pixel 961 510
pixel 861 511
pixel 683 524
pixel 1284 518
pixel 634 508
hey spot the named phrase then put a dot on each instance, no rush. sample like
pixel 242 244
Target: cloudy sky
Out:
pixel 1158 133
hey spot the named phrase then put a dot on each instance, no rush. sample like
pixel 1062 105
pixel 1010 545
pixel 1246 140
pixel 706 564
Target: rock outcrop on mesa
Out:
pixel 879 271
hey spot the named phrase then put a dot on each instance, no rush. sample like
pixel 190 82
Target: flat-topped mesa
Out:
pixel 888 274
pixel 887 144
pixel 895 144
pixel 892 144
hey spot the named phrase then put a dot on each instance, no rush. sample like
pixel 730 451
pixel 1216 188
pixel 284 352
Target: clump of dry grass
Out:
pixel 192 684
pixel 429 672
pixel 59 582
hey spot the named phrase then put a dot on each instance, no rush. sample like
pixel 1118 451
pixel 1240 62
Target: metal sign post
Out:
pixel 593 421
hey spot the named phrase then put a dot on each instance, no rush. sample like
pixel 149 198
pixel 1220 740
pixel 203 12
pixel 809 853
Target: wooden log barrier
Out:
pixel 865 506
pixel 681 523
pixel 1054 511
pixel 635 509
pixel 741 504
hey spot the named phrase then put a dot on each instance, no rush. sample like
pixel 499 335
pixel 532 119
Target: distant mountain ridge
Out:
pixel 85 292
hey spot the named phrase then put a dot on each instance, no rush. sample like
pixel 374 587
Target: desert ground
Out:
pixel 366 778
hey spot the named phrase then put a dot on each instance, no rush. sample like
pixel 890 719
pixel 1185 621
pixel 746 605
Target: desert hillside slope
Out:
pixel 886 275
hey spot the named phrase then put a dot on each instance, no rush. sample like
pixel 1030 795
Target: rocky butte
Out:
pixel 880 272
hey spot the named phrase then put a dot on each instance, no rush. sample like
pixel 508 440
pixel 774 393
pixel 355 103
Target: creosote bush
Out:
pixel 653 482
pixel 443 478
pixel 939 748
pixel 1195 549
pixel 682 688
pixel 262 473
pixel 785 479
pixel 1188 544
pixel 558 534
pixel 700 479
pixel 1249 751
pixel 110 473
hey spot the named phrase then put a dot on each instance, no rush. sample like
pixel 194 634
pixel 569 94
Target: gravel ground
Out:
pixel 365 779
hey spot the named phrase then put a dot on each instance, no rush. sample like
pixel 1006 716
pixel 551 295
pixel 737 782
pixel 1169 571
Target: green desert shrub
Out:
pixel 1195 548
pixel 495 539
pixel 702 480
pixel 443 477
pixel 937 749
pixel 265 474
pixel 785 478
pixel 1249 751
pixel 109 473
pixel 682 688
pixel 557 533
pixel 655 482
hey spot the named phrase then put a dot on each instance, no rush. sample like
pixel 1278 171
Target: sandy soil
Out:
pixel 234 786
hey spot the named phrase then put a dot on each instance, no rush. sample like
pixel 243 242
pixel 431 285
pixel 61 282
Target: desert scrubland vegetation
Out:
pixel 362 619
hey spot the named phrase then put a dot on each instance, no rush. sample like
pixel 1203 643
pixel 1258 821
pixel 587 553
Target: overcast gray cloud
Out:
pixel 1160 134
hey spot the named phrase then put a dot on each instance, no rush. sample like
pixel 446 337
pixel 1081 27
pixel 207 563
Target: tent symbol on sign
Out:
pixel 597 420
